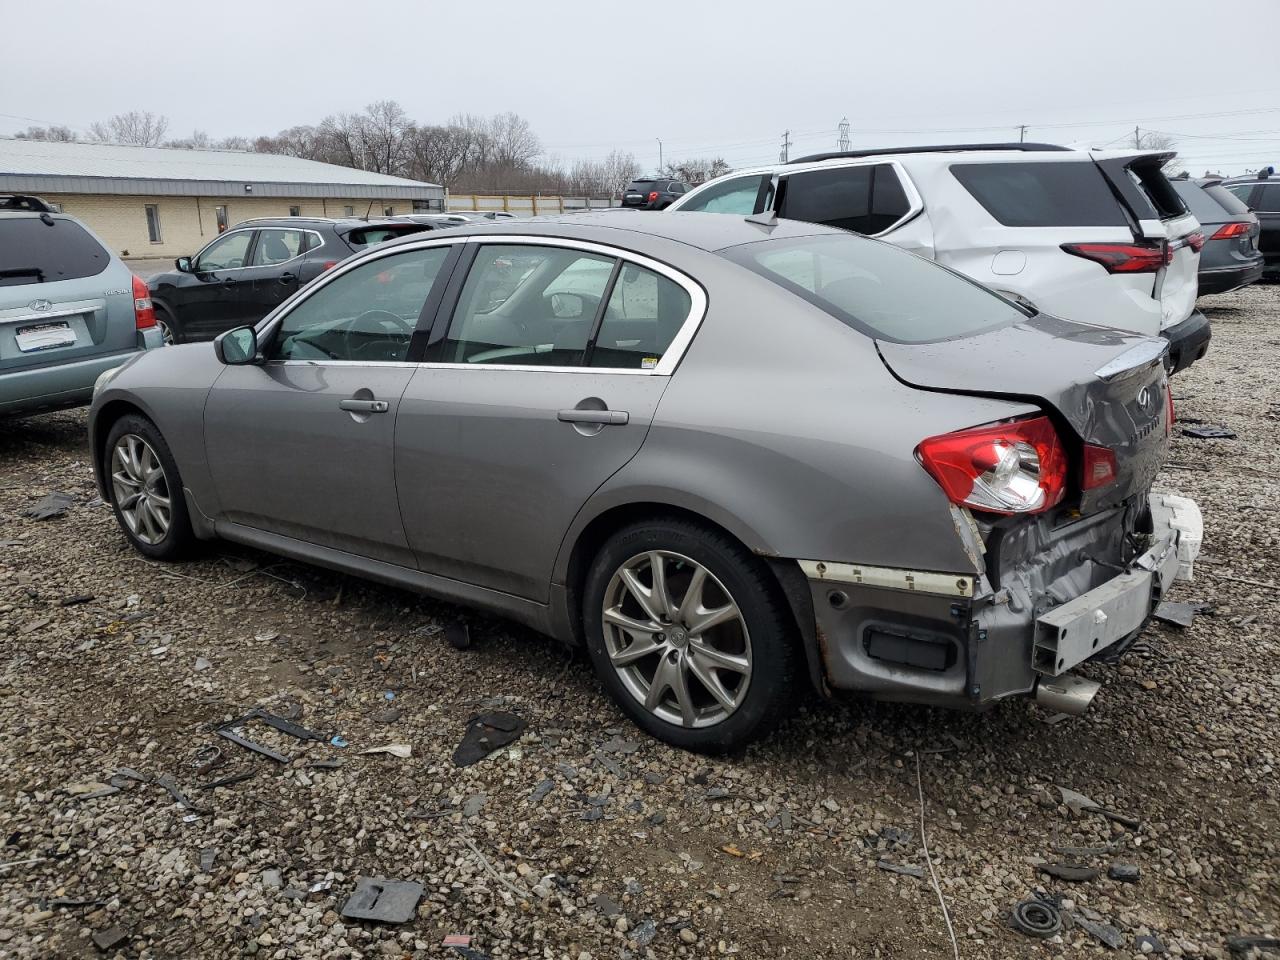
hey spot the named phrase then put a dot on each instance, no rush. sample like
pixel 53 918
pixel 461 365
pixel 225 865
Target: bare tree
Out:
pixel 607 177
pixel 199 140
pixel 382 137
pixel 140 128
pixel 514 144
pixel 440 154
pixel 58 133
pixel 696 170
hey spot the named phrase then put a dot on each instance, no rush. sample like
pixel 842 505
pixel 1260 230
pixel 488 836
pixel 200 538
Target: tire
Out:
pixel 144 520
pixel 166 321
pixel 758 633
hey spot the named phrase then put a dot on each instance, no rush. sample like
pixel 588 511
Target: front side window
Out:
pixel 645 312
pixel 877 288
pixel 226 253
pixel 153 223
pixel 367 314
pixel 734 196
pixel 527 305
pixel 1269 198
pixel 277 246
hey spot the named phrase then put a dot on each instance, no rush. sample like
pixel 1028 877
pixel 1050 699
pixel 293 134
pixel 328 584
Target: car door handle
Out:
pixel 288 278
pixel 616 417
pixel 229 282
pixel 364 406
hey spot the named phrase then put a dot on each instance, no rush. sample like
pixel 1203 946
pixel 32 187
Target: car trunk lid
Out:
pixel 1108 386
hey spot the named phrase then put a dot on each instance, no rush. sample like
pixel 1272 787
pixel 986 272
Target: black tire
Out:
pixel 770 691
pixel 166 319
pixel 178 538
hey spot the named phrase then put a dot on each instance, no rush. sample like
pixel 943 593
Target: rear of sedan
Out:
pixel 69 310
pixel 1231 257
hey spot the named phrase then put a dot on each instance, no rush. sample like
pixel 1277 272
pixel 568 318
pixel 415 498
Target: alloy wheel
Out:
pixel 166 332
pixel 141 489
pixel 677 639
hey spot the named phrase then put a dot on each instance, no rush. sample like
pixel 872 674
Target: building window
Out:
pixel 153 223
pixel 388 211
pixel 348 211
pixel 295 211
pixel 220 213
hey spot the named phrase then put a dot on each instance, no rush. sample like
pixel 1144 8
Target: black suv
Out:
pixel 246 272
pixel 653 194
pixel 1261 194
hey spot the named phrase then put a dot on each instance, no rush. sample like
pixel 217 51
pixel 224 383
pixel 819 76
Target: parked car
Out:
pixel 69 309
pixel 1230 258
pixel 653 193
pixel 733 459
pixel 1094 236
pixel 1261 193
pixel 243 274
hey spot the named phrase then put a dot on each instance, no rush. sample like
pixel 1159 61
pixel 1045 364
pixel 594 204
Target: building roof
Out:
pixel 34 166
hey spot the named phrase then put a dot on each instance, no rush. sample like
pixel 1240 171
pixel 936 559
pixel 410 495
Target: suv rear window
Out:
pixel 368 236
pixel 1049 194
pixel 877 288
pixel 33 251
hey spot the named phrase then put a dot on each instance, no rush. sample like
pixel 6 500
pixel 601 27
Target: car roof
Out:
pixel 704 231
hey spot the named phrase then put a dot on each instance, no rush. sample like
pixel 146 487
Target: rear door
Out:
pixel 272 275
pixel 542 384
pixel 1266 204
pixel 62 297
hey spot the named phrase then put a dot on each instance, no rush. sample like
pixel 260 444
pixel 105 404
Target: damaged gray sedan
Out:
pixel 740 461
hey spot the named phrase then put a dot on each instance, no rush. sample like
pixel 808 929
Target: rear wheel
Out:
pixel 145 489
pixel 687 632
pixel 169 329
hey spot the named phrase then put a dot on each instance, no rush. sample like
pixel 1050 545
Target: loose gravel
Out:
pixel 583 838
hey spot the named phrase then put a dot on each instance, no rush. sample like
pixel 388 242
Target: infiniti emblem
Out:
pixel 40 305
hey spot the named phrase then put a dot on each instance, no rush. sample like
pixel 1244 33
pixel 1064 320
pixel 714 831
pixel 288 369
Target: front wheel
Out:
pixel 146 490
pixel 688 633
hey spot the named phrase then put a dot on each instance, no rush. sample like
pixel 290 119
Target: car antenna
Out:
pixel 368 210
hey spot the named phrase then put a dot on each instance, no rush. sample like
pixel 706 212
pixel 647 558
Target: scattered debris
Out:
pixel 1209 431
pixel 732 850
pixel 332 763
pixel 202 665
pixel 110 938
pixel 1036 918
pixel 1078 803
pixel 207 856
pixel 384 901
pixel 1083 852
pixel 85 789
pixel 617 744
pixel 339 741
pixel 1124 872
pixel 387 716
pixel 76 599
pixel 168 783
pixel 906 870
pixel 50 505
pixel 1073 872
pixel 486 733
pixel 1244 944
pixel 644 932
pixel 228 781
pixel 474 804
pixel 1179 613
pixel 459 635
pixel 541 790
pixel 456 940
pixel 606 906
pixel 233 730
pixel 1108 934
pixel 401 750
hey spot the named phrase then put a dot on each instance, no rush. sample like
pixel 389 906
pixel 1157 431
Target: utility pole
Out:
pixel 659 139
pixel 1137 140
pixel 1022 133
pixel 786 146
pixel 843 142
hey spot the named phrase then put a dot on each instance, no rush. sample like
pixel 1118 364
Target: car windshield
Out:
pixel 877 288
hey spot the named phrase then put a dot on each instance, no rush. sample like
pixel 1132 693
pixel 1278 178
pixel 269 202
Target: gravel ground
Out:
pixel 585 839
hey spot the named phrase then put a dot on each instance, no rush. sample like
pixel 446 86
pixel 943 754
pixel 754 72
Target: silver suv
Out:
pixel 69 309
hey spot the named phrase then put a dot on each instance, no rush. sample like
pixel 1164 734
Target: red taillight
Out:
pixel 1099 467
pixel 330 264
pixel 653 196
pixel 1015 467
pixel 144 313
pixel 1195 241
pixel 1230 230
pixel 1123 257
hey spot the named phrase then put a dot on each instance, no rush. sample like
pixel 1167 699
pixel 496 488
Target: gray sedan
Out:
pixel 737 459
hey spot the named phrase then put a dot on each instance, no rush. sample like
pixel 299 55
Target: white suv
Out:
pixel 1095 236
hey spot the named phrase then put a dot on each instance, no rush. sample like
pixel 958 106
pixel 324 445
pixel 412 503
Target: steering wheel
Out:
pixel 356 333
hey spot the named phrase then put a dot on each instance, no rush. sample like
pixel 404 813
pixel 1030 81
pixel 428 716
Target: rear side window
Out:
pixel 1242 190
pixel 1203 207
pixel 1051 194
pixel 1269 198
pixel 371 235
pixel 1226 199
pixel 865 199
pixel 644 314
pixel 33 251
pixel 877 288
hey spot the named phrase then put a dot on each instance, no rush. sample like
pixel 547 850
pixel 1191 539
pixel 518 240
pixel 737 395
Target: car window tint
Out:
pixel 1226 199
pixel 527 305
pixel 840 197
pixel 1047 194
pixel 277 246
pixel 889 202
pixel 1269 198
pixel 368 313
pixel 877 288
pixel 737 196
pixel 645 312
pixel 226 253
pixel 32 251
pixel 1242 190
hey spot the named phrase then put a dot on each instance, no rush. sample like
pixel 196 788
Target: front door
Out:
pixel 1266 204
pixel 543 387
pixel 209 299
pixel 301 445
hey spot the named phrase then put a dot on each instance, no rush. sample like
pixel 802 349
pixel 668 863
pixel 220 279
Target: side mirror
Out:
pixel 183 264
pixel 237 347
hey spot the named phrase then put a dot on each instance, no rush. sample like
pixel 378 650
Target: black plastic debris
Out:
pixel 1072 872
pixel 169 784
pixel 1209 431
pixel 1180 614
pixel 383 901
pixel 233 730
pixel 228 781
pixel 50 505
pixel 906 870
pixel 1035 918
pixel 486 733
pixel 1124 872
pixel 110 938
pixel 1104 932
pixel 458 634
pixel 1242 945
pixel 76 599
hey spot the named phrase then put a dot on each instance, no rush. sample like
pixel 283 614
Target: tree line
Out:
pixel 467 153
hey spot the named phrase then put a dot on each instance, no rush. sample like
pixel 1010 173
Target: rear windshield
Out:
pixel 1049 194
pixel 637 185
pixel 1227 200
pixel 877 288
pixel 1203 207
pixel 33 251
pixel 368 236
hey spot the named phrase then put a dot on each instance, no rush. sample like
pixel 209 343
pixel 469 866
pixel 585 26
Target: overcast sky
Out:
pixel 707 78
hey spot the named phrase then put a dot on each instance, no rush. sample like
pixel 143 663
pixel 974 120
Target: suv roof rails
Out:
pixel 939 148
pixel 27 204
